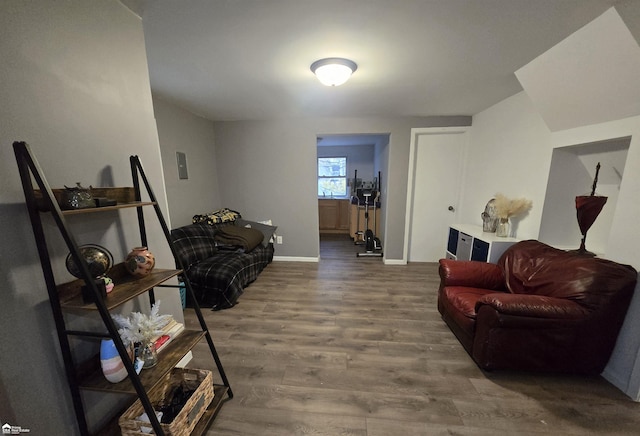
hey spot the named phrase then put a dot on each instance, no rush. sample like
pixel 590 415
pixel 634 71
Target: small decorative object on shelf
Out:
pixel 111 363
pixel 104 202
pixel 489 217
pixel 77 198
pixel 108 284
pixel 148 354
pixel 99 260
pixel 183 295
pixel 506 209
pixel 140 262
pixel 142 329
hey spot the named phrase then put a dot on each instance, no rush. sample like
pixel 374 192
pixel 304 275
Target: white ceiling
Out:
pixel 249 59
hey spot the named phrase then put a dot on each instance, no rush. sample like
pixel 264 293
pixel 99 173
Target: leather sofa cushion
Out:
pixel 463 299
pixel 535 306
pixel 539 269
pixel 471 274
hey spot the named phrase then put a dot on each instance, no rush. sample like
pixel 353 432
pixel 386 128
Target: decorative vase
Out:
pixel 140 262
pixel 111 363
pixel 503 228
pixel 149 355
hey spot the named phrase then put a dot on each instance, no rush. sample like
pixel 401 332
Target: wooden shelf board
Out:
pixel 107 208
pixel 168 357
pixel 220 396
pixel 124 196
pixel 126 287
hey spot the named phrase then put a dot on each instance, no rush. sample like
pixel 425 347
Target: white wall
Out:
pixel 623 369
pixel 180 130
pixel 511 152
pixel 75 86
pixel 572 173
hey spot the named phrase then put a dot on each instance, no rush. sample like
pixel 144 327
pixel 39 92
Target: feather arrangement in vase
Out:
pixel 141 329
pixel 507 208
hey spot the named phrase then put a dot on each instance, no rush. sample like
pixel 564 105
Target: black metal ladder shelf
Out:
pixel 41 199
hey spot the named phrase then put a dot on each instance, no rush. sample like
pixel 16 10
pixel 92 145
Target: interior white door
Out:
pixel 437 173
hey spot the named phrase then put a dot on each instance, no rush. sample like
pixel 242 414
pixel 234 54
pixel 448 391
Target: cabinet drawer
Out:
pixel 452 244
pixel 463 251
pixel 480 250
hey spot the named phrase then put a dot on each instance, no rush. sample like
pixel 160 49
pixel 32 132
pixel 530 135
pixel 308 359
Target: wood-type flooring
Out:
pixel 350 346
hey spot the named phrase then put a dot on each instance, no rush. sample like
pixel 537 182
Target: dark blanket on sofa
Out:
pixel 233 236
pixel 218 277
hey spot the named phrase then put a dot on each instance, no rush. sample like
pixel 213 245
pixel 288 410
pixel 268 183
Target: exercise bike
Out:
pixel 373 246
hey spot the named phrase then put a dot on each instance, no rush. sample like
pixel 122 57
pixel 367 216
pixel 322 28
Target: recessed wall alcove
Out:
pixel 571 173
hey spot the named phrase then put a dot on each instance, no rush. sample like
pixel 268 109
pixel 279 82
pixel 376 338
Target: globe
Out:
pixel 99 260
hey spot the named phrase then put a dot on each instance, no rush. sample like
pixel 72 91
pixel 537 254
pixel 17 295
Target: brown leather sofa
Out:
pixel 538 309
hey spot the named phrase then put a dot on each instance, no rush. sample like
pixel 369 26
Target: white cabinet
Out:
pixel 469 242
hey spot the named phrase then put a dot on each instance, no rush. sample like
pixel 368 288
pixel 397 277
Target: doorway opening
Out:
pixel 365 161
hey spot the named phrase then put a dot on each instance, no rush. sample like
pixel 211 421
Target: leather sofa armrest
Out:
pixel 534 306
pixel 471 274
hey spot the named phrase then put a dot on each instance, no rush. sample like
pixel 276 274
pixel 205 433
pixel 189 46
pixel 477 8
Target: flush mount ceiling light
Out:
pixel 333 71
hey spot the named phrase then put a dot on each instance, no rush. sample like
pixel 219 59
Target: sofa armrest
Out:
pixel 471 274
pixel 534 306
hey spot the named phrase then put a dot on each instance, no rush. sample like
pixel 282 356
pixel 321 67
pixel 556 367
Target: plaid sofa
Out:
pixel 218 276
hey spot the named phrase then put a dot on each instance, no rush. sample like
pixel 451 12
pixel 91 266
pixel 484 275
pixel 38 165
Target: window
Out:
pixel 332 177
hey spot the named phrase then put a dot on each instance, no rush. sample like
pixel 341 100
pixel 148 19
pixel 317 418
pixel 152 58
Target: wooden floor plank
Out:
pixel 350 346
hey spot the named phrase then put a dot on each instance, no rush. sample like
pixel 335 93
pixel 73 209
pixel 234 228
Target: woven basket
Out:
pixel 187 418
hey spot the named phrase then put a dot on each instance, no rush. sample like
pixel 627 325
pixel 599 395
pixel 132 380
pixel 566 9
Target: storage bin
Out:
pixel 186 420
pixel 463 252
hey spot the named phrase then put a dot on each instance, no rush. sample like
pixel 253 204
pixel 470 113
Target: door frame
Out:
pixel 415 134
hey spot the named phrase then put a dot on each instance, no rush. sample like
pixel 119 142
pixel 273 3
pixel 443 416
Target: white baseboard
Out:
pixel 395 262
pixel 295 259
pixel 317 259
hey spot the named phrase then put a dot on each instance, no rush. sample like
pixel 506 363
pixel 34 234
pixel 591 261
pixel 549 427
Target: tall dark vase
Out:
pixel 588 207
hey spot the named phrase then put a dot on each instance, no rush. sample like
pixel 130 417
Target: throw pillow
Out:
pixel 223 215
pixel 267 230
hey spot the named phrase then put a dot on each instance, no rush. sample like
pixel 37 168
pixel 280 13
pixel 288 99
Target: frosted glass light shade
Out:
pixel 333 71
